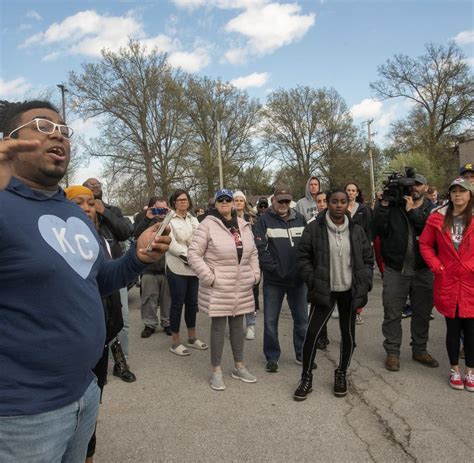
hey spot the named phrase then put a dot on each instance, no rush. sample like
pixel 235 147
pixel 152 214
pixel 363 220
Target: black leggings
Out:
pixel 318 319
pixel 455 326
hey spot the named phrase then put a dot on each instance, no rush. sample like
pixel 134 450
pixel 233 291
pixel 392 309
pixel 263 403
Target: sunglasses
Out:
pixel 47 127
pixel 262 206
pixel 284 201
pixel 224 199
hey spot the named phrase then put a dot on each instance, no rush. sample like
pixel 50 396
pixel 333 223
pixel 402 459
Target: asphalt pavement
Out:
pixel 170 414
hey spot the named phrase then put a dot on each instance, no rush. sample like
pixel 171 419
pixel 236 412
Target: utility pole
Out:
pixel 63 100
pixel 371 159
pixel 219 156
pixel 63 105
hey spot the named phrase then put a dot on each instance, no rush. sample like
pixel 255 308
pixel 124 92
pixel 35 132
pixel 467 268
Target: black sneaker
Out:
pixel 322 343
pixel 147 332
pixel 305 386
pixel 340 383
pixel 167 330
pixel 272 366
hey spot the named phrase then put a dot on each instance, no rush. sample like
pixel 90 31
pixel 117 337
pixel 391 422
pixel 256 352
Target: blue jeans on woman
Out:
pixel 57 436
pixel 183 290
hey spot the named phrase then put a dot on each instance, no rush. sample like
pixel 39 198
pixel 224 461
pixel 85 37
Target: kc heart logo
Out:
pixel 72 240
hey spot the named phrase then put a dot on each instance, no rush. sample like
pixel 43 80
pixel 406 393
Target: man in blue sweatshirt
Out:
pixel 277 235
pixel 52 275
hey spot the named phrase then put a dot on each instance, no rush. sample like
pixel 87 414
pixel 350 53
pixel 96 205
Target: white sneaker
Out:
pixel 217 381
pixel 244 375
pixel 250 334
pixel 359 320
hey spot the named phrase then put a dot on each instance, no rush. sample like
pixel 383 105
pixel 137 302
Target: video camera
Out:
pixel 398 185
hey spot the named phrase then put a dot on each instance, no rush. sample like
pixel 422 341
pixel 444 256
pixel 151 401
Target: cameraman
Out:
pixel 399 224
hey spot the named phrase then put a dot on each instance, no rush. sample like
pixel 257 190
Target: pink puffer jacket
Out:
pixel 225 286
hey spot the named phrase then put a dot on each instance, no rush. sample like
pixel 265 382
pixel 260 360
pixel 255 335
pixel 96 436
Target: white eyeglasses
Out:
pixel 47 127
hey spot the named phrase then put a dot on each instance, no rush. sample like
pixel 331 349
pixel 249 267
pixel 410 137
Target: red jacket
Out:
pixel 453 270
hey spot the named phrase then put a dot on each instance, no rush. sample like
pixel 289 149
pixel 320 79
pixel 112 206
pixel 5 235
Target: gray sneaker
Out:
pixel 217 382
pixel 244 375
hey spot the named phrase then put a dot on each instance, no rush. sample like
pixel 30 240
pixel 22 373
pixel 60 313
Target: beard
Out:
pixel 416 196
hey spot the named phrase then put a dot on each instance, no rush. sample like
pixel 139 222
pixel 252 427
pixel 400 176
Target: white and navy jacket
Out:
pixel 277 240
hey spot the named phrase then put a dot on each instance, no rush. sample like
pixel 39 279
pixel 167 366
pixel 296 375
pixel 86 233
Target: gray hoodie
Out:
pixel 306 205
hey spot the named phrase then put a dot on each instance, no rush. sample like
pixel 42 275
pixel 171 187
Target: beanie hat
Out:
pixel 76 190
pixel 240 194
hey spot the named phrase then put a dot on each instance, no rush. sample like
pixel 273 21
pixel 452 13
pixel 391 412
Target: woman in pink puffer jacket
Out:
pixel 223 255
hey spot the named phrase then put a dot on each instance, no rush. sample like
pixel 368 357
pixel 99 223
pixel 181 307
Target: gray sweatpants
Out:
pixel 155 290
pixel 236 329
pixel 396 288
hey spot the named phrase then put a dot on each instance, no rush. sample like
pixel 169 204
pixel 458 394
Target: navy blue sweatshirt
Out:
pixel 52 275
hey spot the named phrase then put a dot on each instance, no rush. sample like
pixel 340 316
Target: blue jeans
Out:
pixel 272 300
pixel 123 335
pixel 183 290
pixel 58 436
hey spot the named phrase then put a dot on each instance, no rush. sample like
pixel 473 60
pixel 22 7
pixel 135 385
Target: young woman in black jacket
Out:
pixel 361 215
pixel 336 261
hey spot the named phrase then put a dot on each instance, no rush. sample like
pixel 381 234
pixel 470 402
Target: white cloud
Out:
pixel 190 61
pixel 87 33
pixel 221 4
pixel 464 37
pixel 256 79
pixel 32 14
pixel 13 88
pixel 367 108
pixel 469 61
pixel 236 55
pixel 268 27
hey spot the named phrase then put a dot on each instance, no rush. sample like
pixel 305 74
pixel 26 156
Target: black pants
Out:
pixel 455 326
pixel 318 319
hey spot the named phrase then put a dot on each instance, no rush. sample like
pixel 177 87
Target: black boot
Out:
pixel 121 368
pixel 305 386
pixel 340 383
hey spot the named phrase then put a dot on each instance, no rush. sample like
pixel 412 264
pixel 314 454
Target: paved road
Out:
pixel 171 414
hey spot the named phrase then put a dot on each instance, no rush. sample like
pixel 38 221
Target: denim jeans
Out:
pixel 123 335
pixel 57 436
pixel 183 290
pixel 272 300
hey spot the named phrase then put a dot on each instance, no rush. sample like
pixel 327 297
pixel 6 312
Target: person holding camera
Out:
pixel 154 284
pixel 399 220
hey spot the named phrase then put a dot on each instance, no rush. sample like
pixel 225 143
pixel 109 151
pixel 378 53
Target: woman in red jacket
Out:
pixel 447 245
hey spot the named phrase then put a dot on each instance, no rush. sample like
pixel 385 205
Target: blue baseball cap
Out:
pixel 223 192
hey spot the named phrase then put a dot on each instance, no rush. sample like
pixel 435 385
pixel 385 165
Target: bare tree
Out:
pixel 139 101
pixel 311 132
pixel 440 85
pixel 210 103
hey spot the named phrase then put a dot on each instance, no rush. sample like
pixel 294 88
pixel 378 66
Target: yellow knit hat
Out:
pixel 76 190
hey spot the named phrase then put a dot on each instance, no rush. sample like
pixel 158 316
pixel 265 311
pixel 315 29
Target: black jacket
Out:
pixel 314 262
pixel 363 217
pixel 391 224
pixel 114 227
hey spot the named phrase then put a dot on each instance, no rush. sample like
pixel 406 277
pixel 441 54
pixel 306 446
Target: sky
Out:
pixel 257 45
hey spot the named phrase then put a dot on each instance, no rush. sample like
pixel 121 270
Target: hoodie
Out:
pixel 306 206
pixel 53 272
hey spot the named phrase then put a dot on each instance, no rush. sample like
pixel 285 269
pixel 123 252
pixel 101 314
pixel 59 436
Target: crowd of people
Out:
pixel 64 279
